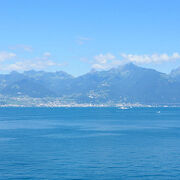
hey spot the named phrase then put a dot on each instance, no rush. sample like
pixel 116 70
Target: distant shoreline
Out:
pixel 123 107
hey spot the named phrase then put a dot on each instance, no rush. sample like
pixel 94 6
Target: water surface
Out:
pixel 89 143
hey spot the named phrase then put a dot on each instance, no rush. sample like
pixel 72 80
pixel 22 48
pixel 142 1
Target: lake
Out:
pixel 89 143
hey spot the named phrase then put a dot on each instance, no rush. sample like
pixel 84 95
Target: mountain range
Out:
pixel 125 84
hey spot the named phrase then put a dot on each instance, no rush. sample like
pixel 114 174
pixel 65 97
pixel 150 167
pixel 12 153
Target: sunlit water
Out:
pixel 89 143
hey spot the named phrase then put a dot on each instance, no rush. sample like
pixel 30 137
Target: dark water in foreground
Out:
pixel 89 143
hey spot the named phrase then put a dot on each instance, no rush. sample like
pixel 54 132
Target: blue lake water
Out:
pixel 89 143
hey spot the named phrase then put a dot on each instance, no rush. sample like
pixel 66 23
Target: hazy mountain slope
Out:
pixel 7 79
pixel 55 81
pixel 128 83
pixel 27 87
pixel 33 83
pixel 175 74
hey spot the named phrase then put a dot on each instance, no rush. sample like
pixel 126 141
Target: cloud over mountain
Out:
pixel 6 55
pixel 109 60
pixel 43 62
pixel 153 58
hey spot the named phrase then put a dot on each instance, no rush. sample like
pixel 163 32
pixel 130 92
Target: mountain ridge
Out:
pixel 125 84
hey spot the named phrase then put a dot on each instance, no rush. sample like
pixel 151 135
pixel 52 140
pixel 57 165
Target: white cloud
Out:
pixel 153 58
pixel 38 63
pixel 98 66
pixel 6 55
pixel 31 64
pixel 103 58
pixel 47 54
pixel 105 61
pixel 82 40
pixel 22 47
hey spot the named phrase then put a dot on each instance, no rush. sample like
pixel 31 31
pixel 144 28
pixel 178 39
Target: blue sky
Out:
pixel 76 36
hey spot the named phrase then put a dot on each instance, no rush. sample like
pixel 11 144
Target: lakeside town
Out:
pixel 6 101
